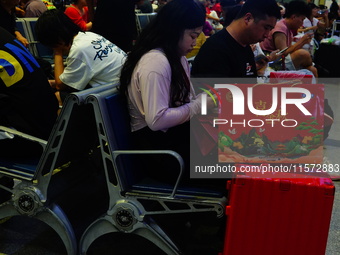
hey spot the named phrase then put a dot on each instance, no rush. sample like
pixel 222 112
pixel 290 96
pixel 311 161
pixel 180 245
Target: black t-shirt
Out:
pixel 27 102
pixel 222 56
pixel 116 21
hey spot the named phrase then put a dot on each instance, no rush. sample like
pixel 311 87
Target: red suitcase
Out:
pixel 278 216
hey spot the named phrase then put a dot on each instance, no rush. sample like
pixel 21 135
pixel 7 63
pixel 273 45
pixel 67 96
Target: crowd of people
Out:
pixel 151 68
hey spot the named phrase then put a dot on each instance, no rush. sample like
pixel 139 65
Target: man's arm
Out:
pixel 323 20
pixel 304 30
pixel 58 68
pixel 280 41
pixel 21 38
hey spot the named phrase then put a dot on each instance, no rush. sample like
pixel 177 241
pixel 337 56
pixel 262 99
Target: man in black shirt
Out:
pixel 27 102
pixel 116 21
pixel 228 53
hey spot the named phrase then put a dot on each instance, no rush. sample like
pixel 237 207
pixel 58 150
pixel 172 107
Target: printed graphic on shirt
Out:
pixel 104 47
pixel 11 69
pixel 248 70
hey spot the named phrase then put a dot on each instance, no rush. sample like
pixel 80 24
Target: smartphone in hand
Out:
pixel 281 51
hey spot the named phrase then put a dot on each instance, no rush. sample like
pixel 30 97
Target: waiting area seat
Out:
pixel 335 28
pixel 143 19
pixel 27 28
pixel 42 184
pixel 135 200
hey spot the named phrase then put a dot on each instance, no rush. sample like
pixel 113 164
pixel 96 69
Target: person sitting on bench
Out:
pixel 156 81
pixel 91 61
pixel 27 102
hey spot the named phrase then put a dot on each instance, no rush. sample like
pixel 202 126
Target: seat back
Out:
pixel 143 19
pixel 114 129
pixel 114 107
pixel 135 199
pixel 22 28
pixel 335 28
pixel 113 124
pixel 64 176
pixel 32 169
pixel 21 25
pixel 38 49
pixel 73 135
pixel 113 132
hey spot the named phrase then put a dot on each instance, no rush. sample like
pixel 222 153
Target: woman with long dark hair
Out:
pixel 156 80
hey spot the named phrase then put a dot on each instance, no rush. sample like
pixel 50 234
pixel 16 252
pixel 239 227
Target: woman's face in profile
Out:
pixel 188 40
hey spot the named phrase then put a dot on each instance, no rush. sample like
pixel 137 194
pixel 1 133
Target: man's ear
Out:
pixel 248 17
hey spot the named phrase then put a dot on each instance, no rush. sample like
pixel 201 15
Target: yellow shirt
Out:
pixel 199 42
